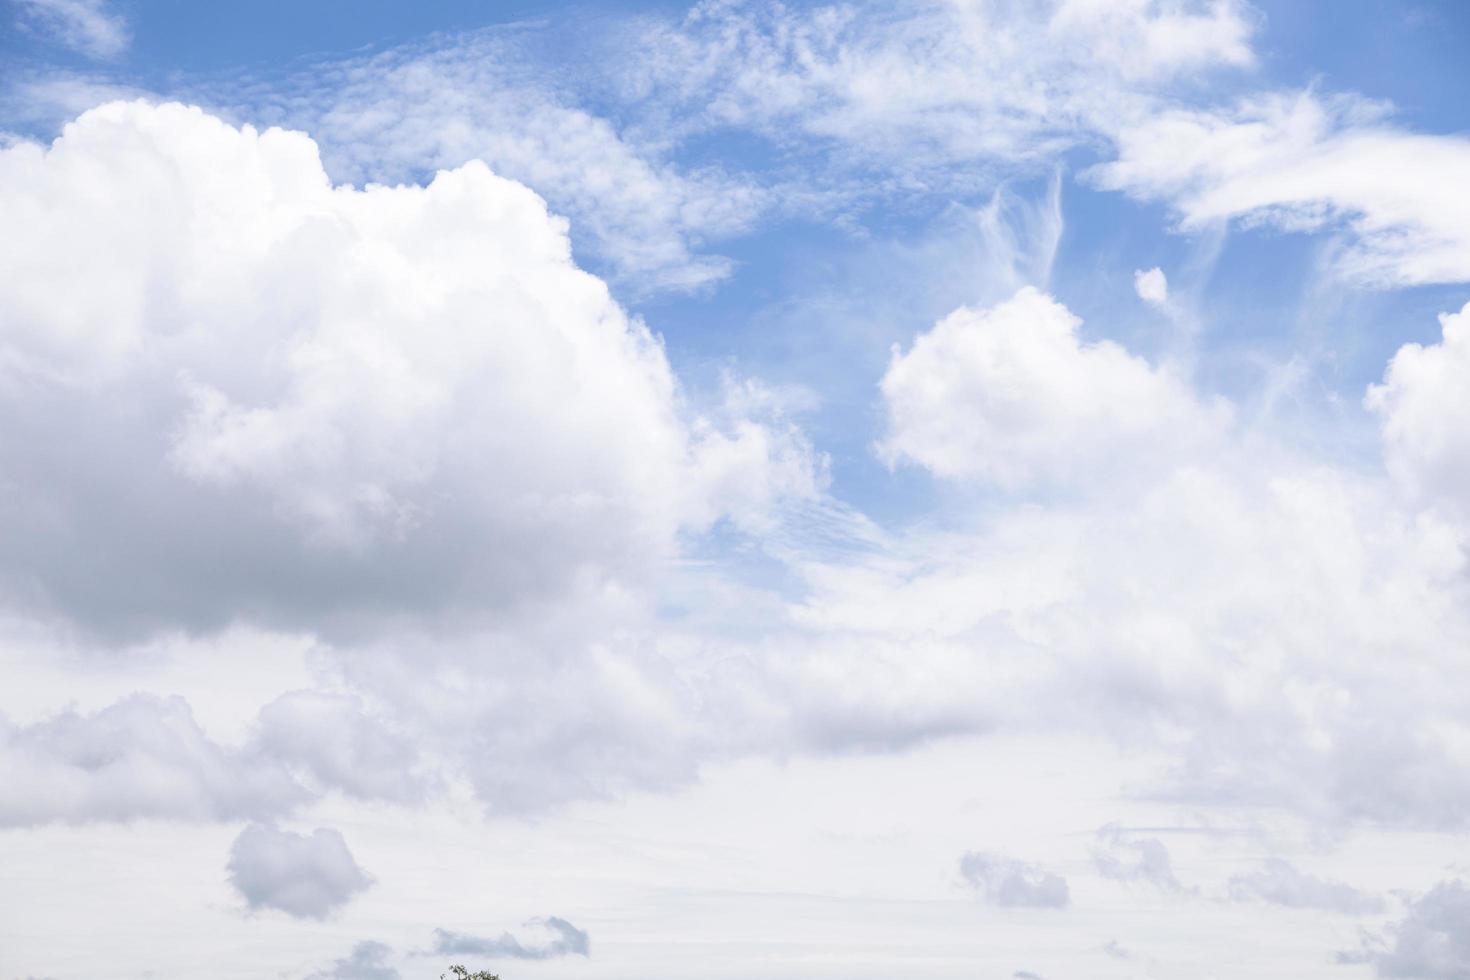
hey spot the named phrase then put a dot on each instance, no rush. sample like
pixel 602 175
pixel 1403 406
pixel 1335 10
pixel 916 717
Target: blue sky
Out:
pixel 946 489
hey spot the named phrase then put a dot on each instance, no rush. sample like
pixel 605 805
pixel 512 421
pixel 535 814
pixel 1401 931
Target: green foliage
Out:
pixel 457 972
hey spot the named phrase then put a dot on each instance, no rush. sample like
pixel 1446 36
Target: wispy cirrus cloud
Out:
pixel 94 28
pixel 1303 161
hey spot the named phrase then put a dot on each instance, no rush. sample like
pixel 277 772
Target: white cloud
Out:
pixel 367 961
pixel 1432 942
pixel 1152 286
pixel 342 745
pixel 1145 38
pixel 305 876
pixel 142 758
pixel 1278 626
pixel 1010 883
pixel 1302 162
pixel 1423 406
pixel 924 92
pixel 1129 858
pixel 1012 396
pixel 399 114
pixel 340 402
pixel 557 938
pixel 93 27
pixel 1280 882
pixel 1229 596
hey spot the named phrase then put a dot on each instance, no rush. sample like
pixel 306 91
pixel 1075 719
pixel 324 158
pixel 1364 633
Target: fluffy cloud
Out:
pixel 1423 405
pixel 92 27
pixel 1152 286
pixel 1011 883
pixel 1012 396
pixel 1306 162
pixel 557 938
pixel 305 876
pixel 308 402
pixel 342 745
pixel 143 757
pixel 1280 882
pixel 1226 595
pixel 1432 942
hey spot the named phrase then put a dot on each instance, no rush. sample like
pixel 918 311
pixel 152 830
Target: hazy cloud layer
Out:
pixel 95 28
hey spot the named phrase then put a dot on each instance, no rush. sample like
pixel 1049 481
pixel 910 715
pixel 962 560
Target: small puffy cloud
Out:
pixel 1124 857
pixel 554 938
pixel 1280 882
pixel 1010 883
pixel 304 875
pixel 142 757
pixel 1302 162
pixel 1012 396
pixel 367 961
pixel 1423 406
pixel 1152 287
pixel 92 27
pixel 1431 942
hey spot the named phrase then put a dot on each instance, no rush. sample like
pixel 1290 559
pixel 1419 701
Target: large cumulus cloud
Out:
pixel 398 420
pixel 401 419
pixel 236 391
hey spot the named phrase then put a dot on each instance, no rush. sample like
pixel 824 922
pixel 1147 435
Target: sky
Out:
pixel 955 490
